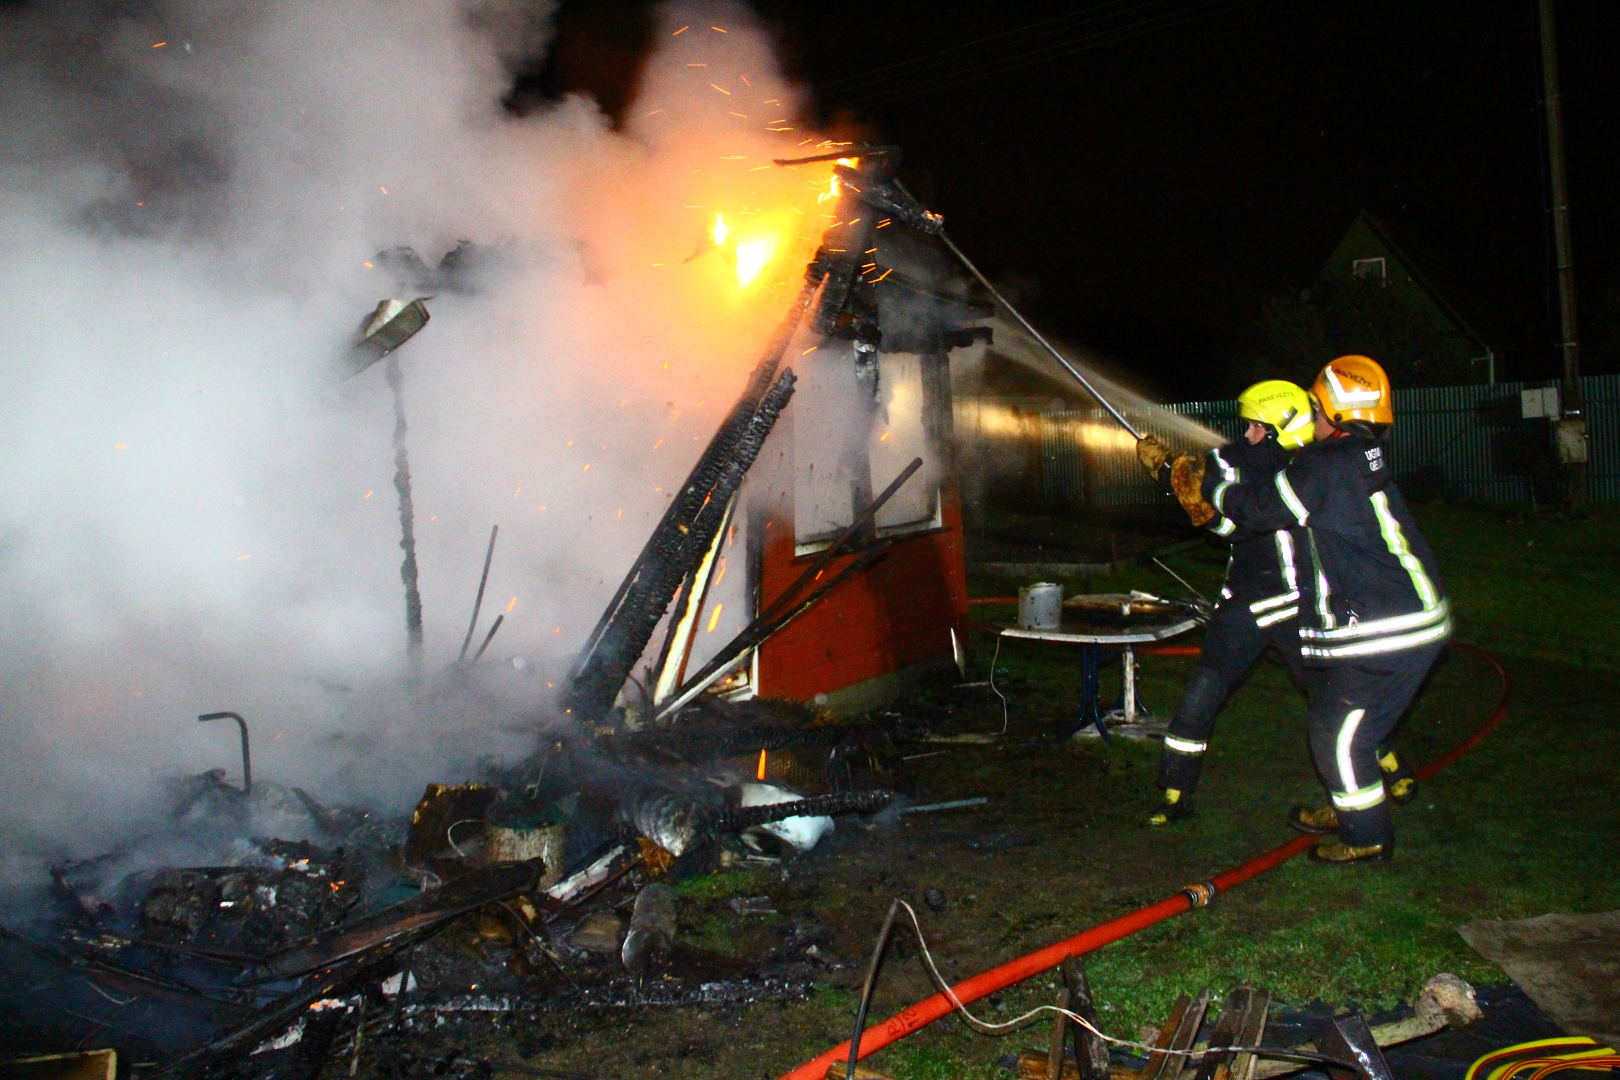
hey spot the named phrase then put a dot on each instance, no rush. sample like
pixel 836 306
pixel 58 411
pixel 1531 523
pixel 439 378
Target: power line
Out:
pixel 1050 50
pixel 938 57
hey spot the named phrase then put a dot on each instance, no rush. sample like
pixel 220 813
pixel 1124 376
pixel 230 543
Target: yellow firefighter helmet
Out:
pixel 1354 388
pixel 1282 407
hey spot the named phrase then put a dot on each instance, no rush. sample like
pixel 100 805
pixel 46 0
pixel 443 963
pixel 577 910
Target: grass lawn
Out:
pixel 1524 824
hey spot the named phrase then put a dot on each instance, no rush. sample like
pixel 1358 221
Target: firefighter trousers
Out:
pixel 1233 643
pixel 1354 706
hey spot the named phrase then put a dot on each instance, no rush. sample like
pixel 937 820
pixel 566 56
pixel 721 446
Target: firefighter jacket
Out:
pixel 1372 585
pixel 1262 570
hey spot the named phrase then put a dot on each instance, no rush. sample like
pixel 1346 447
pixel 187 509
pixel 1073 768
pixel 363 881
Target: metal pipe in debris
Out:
pixel 1036 334
pixel 496 625
pixel 478 603
pixel 954 804
pixel 247 757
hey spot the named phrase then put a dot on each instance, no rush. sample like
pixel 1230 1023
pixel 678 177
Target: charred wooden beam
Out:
pixel 838 802
pixel 430 910
pixel 1176 1037
pixel 673 552
pixel 693 494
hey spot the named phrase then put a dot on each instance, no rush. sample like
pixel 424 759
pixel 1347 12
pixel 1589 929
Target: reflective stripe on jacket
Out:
pixel 1372 585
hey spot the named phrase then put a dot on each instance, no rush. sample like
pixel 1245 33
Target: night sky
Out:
pixel 1143 174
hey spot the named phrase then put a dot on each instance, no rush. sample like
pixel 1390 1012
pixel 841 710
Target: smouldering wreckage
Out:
pixel 540 884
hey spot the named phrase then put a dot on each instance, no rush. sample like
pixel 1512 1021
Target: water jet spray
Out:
pixel 1036 334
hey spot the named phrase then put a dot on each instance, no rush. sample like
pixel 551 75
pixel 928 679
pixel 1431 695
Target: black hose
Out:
pixel 878 950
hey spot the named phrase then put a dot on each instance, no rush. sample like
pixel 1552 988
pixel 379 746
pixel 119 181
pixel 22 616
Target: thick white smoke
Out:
pixel 197 509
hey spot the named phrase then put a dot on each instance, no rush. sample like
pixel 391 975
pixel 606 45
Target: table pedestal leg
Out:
pixel 1090 689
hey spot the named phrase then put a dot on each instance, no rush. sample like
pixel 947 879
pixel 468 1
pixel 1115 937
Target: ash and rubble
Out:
pixel 542 888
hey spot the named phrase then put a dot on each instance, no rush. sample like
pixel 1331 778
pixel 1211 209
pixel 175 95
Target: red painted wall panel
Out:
pixel 898 613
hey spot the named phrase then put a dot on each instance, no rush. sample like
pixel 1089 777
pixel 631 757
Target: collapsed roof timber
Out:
pixel 504 887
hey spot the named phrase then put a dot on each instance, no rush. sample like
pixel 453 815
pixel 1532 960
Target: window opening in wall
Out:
pixel 849 442
pixel 1368 269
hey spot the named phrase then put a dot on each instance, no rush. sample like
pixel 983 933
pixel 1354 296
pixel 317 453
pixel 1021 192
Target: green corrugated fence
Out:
pixel 1467 443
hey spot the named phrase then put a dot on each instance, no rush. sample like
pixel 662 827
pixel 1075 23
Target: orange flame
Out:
pixel 759 774
pixel 752 258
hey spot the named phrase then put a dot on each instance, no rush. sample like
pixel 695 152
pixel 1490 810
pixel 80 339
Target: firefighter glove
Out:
pixel 1187 481
pixel 1152 454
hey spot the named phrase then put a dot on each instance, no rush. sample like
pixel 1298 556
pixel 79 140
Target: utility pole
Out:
pixel 1569 430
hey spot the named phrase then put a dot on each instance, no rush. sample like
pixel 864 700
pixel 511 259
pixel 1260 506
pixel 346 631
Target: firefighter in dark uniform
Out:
pixel 1259 605
pixel 1374 615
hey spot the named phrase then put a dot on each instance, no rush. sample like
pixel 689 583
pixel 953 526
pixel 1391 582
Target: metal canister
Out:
pixel 1040 606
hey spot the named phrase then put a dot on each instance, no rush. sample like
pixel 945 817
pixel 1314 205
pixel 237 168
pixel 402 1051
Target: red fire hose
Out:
pixel 925 1012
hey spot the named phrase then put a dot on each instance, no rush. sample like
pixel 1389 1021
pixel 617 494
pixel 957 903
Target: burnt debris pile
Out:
pixel 546 888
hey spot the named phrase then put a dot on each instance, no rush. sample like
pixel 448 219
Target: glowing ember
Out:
pixel 720 230
pixel 512 603
pixel 759 774
pixel 714 620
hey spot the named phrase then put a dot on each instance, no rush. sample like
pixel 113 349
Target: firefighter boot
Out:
pixel 1400 781
pixel 1176 807
pixel 1338 853
pixel 1316 822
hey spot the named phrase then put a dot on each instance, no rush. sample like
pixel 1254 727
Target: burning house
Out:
pixel 806 549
